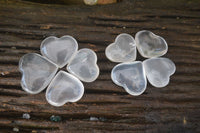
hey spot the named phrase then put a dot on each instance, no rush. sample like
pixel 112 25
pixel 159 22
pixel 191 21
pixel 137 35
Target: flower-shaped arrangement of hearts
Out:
pixel 40 71
pixel 131 74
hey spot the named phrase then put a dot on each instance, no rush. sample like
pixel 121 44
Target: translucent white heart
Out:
pixel 130 76
pixel 64 88
pixel 59 50
pixel 150 45
pixel 37 72
pixel 159 70
pixel 122 50
pixel 84 66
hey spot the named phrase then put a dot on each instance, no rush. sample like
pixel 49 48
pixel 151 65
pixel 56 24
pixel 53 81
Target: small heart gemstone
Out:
pixel 130 76
pixel 150 45
pixel 59 50
pixel 37 72
pixel 84 66
pixel 159 70
pixel 64 88
pixel 122 50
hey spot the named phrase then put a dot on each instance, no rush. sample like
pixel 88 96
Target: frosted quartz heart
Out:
pixel 37 72
pixel 150 45
pixel 64 88
pixel 59 50
pixel 84 66
pixel 122 50
pixel 131 76
pixel 159 70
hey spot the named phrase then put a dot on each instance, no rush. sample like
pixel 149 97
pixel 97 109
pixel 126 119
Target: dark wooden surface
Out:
pixel 172 109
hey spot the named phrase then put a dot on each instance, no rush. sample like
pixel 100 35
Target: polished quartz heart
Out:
pixel 130 76
pixel 84 66
pixel 159 70
pixel 122 50
pixel 59 50
pixel 37 72
pixel 64 88
pixel 150 45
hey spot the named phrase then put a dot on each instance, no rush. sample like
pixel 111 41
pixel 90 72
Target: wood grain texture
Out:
pixel 172 109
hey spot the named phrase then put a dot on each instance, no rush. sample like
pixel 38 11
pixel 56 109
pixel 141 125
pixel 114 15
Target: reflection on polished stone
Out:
pixel 64 88
pixel 84 65
pixel 150 45
pixel 59 50
pixel 122 50
pixel 130 76
pixel 37 72
pixel 159 70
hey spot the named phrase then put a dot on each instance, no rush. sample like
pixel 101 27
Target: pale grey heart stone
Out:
pixel 150 45
pixel 122 50
pixel 159 70
pixel 84 65
pixel 64 88
pixel 130 76
pixel 59 50
pixel 37 72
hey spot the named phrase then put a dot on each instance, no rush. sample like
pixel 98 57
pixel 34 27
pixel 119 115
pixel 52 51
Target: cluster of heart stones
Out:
pixel 40 71
pixel 132 75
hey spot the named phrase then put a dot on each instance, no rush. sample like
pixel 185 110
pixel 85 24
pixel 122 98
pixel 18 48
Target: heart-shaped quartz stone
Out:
pixel 150 45
pixel 64 88
pixel 37 72
pixel 130 76
pixel 159 70
pixel 59 50
pixel 84 65
pixel 122 50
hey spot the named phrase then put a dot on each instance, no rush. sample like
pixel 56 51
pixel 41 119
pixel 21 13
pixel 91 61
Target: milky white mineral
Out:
pixel 130 76
pixel 64 88
pixel 37 72
pixel 159 70
pixel 122 50
pixel 84 66
pixel 59 50
pixel 150 45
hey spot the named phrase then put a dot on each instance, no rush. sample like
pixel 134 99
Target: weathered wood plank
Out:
pixel 174 108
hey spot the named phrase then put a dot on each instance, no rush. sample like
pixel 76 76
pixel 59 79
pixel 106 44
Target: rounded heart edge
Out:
pixel 110 45
pixel 22 73
pixel 57 38
pixel 126 89
pixel 140 51
pixel 66 101
pixel 168 78
pixel 96 66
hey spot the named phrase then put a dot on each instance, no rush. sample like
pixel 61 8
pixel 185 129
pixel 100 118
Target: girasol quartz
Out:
pixel 159 70
pixel 150 45
pixel 59 50
pixel 130 76
pixel 64 88
pixel 37 72
pixel 122 50
pixel 84 66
